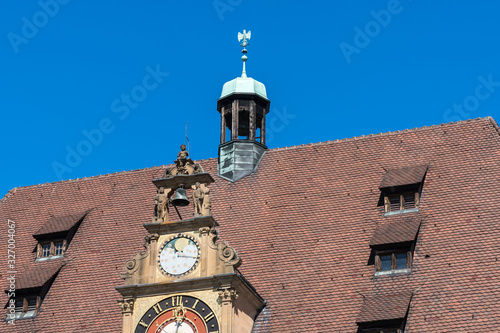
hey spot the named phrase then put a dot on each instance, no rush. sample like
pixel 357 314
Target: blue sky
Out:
pixel 332 69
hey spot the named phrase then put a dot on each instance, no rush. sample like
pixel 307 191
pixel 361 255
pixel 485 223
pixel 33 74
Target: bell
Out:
pixel 180 198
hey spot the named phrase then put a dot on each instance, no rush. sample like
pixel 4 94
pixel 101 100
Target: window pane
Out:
pixel 386 262
pixel 46 250
pixel 401 261
pixel 59 247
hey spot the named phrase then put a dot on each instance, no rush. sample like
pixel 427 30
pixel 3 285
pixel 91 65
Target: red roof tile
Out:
pixel 384 307
pixel 396 229
pixel 59 224
pixel 403 176
pixel 38 273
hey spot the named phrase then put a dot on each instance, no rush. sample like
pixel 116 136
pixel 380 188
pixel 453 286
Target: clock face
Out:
pixel 179 314
pixel 178 255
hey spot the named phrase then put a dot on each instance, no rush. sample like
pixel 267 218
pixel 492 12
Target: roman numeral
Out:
pixel 143 324
pixel 157 308
pixel 209 316
pixel 173 300
pixel 179 300
pixel 195 303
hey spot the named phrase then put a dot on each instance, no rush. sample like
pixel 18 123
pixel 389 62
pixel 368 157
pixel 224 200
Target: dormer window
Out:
pixel 31 288
pixel 393 244
pixel 55 235
pixel 401 189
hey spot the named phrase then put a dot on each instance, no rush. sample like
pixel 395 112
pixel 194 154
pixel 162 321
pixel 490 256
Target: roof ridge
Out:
pixel 355 138
pixel 97 176
pixel 12 191
pixel 9 193
pixel 86 178
pixel 494 123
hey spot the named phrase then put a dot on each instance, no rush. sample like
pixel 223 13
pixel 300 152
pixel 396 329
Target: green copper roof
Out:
pixel 243 85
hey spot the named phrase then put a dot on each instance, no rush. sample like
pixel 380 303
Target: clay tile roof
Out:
pixel 302 224
pixel 384 307
pixel 38 274
pixel 403 176
pixel 59 224
pixel 397 229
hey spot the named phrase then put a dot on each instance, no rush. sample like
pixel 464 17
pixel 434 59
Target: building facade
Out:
pixel 393 232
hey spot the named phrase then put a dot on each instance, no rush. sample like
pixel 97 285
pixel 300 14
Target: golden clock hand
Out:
pixel 183 256
pixel 179 314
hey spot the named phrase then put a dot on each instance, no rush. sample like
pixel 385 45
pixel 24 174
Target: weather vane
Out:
pixel 244 38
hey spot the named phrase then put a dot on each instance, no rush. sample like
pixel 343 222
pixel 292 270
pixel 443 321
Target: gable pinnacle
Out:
pixel 244 38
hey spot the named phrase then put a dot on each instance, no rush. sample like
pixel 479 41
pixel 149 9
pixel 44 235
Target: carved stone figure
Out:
pixel 167 173
pixel 161 205
pixel 183 156
pixel 182 161
pixel 127 305
pixel 197 169
pixel 206 208
pixel 183 165
pixel 198 199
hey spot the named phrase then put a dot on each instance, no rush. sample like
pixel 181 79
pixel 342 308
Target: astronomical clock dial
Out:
pixel 179 314
pixel 178 255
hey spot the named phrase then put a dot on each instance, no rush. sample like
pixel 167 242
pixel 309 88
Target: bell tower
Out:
pixel 243 106
pixel 186 279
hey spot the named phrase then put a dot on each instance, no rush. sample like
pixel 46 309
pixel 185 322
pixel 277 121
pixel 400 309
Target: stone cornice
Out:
pixel 187 285
pixel 181 226
pixel 185 180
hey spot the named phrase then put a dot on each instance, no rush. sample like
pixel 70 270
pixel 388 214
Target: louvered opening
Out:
pixel 19 304
pixel 401 201
pixel 409 201
pixel 26 307
pixel 394 203
pixel 32 303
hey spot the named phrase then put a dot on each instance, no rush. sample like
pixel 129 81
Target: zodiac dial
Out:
pixel 179 314
pixel 179 255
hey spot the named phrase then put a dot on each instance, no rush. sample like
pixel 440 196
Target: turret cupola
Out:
pixel 243 105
